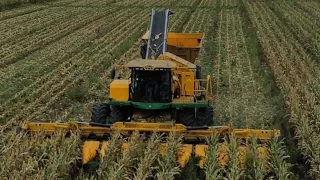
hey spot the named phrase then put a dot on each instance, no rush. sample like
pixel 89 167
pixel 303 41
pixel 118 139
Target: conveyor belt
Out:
pixel 158 34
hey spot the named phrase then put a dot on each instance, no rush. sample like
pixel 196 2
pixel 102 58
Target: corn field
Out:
pixel 56 57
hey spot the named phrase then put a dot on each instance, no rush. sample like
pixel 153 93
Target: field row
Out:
pixel 73 65
pixel 20 47
pixel 39 21
pixel 23 67
pixel 304 26
pixel 241 98
pixel 297 75
pixel 311 7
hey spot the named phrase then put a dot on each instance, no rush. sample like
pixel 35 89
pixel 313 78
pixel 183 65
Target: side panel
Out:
pixel 119 90
pixel 187 83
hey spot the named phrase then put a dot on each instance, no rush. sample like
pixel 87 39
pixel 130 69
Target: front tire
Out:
pixel 106 114
pixel 99 113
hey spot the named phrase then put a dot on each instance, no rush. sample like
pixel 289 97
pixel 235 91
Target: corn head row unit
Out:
pixel 165 93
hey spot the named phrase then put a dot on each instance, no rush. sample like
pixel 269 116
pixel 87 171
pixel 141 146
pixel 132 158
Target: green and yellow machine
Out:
pixel 165 93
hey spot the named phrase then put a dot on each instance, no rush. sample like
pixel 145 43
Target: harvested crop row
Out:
pixel 198 22
pixel 21 11
pixel 45 83
pixel 17 51
pixel 11 33
pixel 30 68
pixel 146 3
pixel 51 107
pixel 228 3
pixel 311 7
pixel 296 76
pixel 154 3
pixel 188 3
pixel 82 66
pixel 176 21
pixel 208 3
pixel 94 3
pixel 26 19
pixel 17 42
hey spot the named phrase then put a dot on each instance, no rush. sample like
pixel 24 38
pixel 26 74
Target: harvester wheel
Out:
pixel 203 117
pixel 106 114
pixel 99 113
pixel 186 117
pixel 117 114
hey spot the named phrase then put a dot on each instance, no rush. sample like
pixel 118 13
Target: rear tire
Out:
pixel 204 117
pixel 186 117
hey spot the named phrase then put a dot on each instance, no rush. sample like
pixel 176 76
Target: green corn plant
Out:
pixel 234 171
pixel 255 165
pixel 211 167
pixel 123 168
pixel 168 166
pixel 277 159
pixel 146 161
pixel 112 153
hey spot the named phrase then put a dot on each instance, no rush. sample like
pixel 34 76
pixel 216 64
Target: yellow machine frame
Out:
pixel 92 148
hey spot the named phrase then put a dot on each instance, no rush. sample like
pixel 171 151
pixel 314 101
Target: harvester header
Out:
pixel 194 138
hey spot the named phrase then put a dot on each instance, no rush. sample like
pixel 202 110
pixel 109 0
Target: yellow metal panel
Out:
pixel 125 146
pixel 242 152
pixel 187 83
pixel 200 151
pixel 89 150
pixel 119 90
pixel 104 147
pixel 223 155
pixel 186 40
pixel 184 153
pixel 163 148
pixel 263 152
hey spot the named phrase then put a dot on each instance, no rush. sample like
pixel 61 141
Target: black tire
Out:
pixel 186 117
pixel 117 114
pixel 106 114
pixel 99 113
pixel 204 117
